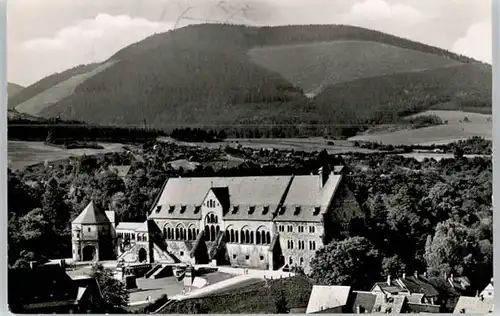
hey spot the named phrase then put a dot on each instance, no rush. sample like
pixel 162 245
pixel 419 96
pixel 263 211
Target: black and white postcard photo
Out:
pixel 249 156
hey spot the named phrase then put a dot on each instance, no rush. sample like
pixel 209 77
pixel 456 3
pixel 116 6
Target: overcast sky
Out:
pixel 48 36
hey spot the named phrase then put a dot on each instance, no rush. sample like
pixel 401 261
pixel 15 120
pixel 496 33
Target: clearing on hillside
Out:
pixel 312 65
pixel 58 92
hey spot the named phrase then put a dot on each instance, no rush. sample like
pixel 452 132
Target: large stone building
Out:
pixel 263 222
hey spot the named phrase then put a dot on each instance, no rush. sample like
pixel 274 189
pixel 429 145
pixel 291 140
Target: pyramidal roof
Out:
pixel 91 215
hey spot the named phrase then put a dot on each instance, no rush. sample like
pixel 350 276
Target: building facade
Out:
pixel 264 222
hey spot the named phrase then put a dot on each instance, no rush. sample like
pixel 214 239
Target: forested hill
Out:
pixel 216 74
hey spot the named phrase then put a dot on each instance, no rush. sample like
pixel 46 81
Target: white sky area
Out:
pixel 49 36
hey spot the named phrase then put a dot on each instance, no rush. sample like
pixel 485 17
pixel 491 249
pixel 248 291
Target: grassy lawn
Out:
pixel 254 298
pixel 23 153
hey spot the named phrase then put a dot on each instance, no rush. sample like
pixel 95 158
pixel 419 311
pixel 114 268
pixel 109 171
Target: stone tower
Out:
pixel 92 235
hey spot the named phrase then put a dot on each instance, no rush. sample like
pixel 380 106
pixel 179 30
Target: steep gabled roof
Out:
pixel 222 194
pixel 474 305
pixel 91 215
pixel 307 200
pixel 325 297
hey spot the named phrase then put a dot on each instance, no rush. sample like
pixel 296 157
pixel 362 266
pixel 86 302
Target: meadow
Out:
pixel 455 129
pixel 23 153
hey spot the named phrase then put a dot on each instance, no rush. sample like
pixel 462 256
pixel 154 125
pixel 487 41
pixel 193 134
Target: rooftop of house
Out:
pixel 120 171
pixel 91 215
pixel 44 286
pixel 364 301
pixel 489 290
pixel 303 198
pixel 474 305
pixel 324 297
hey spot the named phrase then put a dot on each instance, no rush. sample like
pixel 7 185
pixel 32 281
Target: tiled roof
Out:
pixel 305 196
pixel 419 285
pixel 176 211
pixel 143 227
pixel 249 198
pixel 415 308
pixel 42 284
pixel 128 226
pixel 91 215
pixel 364 300
pixel 264 190
pixel 251 212
pixel 120 171
pixel 325 297
pixel 476 305
pixel 394 288
pixel 135 226
pixel 110 215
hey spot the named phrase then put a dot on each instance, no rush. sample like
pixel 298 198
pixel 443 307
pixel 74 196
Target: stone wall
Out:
pixel 300 256
pixel 250 256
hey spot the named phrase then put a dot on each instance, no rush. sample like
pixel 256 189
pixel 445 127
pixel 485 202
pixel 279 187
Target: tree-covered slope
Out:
pixel 211 74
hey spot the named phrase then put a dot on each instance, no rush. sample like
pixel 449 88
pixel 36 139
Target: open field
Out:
pixel 302 144
pixel 457 116
pixel 23 153
pixel 478 125
pixel 313 65
pixel 58 92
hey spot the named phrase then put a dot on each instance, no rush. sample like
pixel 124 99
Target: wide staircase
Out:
pixel 217 245
pixel 164 256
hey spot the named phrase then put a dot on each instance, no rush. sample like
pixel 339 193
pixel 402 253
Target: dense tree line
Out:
pixel 430 216
pixel 472 146
pixel 198 135
pixel 62 132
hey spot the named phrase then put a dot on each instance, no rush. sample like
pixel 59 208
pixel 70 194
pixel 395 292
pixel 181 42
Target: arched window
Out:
pixel 216 220
pixel 193 233
pixel 268 237
pixel 177 233
pixel 212 218
pixel 164 233
pixel 227 236
pixel 236 237
pixel 247 236
pixel 263 237
pixel 232 236
pixel 207 232
pixel 251 237
pixel 242 237
pixel 190 236
pixel 257 238
pixel 212 233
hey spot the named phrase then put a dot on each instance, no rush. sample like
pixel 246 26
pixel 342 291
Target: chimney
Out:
pixel 425 274
pixel 404 275
pixel 323 173
pixel 389 280
pixel 415 274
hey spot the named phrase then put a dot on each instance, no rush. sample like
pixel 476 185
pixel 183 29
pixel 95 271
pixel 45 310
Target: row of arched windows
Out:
pixel 180 233
pixel 246 236
pixel 211 232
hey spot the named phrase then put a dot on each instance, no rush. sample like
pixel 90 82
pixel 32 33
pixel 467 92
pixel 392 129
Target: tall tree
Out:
pixel 353 261
pixel 115 294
